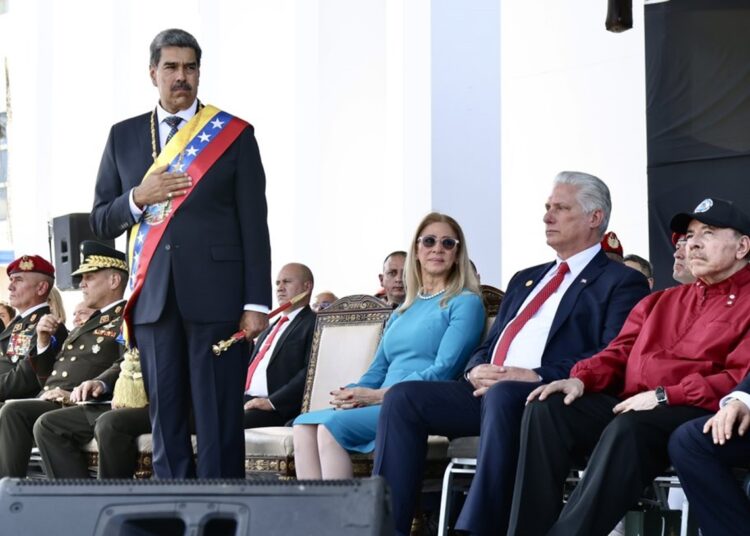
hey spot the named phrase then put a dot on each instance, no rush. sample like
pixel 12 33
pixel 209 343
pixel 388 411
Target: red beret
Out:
pixel 611 244
pixel 31 263
pixel 676 237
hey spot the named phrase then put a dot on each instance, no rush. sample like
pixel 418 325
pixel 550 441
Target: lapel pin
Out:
pixel 584 281
pixel 529 282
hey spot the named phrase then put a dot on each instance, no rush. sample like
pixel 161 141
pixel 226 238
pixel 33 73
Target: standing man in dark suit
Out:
pixel 679 351
pixel 186 181
pixel 31 280
pixel 276 376
pixel 91 352
pixel 552 316
pixel 703 452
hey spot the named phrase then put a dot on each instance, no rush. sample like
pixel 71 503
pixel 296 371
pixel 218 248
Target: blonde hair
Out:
pixel 461 275
pixel 56 304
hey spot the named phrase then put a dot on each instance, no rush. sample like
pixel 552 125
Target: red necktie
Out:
pixel 263 350
pixel 530 310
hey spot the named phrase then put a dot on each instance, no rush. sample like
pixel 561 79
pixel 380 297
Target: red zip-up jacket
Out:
pixel 693 340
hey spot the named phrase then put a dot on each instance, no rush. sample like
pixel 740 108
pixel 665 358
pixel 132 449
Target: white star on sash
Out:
pixel 217 123
pixel 204 137
pixel 192 151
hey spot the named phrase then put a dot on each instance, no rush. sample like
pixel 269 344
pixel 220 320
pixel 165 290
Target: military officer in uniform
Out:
pixel 91 352
pixel 62 433
pixel 31 280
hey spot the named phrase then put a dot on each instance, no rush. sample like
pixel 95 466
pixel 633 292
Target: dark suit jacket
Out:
pixel 287 368
pixel 18 379
pixel 589 316
pixel 216 246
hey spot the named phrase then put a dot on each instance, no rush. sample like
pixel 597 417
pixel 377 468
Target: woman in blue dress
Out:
pixel 429 337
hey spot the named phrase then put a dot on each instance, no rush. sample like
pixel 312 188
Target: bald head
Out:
pixel 294 278
pixel 323 301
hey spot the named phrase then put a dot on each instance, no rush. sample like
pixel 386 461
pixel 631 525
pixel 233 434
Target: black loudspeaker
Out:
pixel 68 232
pixel 195 507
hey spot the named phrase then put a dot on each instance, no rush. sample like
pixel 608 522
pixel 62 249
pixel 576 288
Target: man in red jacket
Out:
pixel 678 353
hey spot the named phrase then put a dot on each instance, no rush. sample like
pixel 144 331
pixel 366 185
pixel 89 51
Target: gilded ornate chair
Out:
pixel 346 336
pixel 492 297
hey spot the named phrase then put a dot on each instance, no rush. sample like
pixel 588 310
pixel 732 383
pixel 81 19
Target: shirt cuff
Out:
pixel 257 308
pixel 134 210
pixel 742 396
pixel 41 349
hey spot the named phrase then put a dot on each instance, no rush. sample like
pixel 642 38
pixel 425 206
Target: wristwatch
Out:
pixel 661 396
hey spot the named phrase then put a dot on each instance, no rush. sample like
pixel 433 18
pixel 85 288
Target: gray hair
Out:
pixel 592 194
pixel 173 37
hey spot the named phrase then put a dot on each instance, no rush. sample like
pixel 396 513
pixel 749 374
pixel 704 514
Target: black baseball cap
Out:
pixel 716 212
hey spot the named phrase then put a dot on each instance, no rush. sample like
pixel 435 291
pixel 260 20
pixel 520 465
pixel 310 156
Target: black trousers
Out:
pixel 16 433
pixel 258 418
pixel 61 434
pixel 626 451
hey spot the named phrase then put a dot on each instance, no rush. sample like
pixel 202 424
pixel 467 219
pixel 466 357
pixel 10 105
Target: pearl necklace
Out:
pixel 422 296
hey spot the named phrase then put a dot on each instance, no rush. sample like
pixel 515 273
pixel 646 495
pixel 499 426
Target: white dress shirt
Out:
pixel 527 347
pixel 259 383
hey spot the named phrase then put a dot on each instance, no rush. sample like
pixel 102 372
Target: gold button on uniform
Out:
pixel 62 359
pixel 70 347
pixel 54 373
pixel 73 358
pixel 65 374
pixel 82 347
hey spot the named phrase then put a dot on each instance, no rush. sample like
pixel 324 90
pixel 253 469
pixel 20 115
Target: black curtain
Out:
pixel 698 112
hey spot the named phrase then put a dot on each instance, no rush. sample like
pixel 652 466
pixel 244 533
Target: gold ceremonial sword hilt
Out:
pixel 222 346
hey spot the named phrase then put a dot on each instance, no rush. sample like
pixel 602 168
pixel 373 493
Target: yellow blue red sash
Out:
pixel 194 149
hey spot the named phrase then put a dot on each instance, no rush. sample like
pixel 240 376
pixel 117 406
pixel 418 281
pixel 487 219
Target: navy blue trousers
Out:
pixel 413 410
pixel 719 504
pixel 181 372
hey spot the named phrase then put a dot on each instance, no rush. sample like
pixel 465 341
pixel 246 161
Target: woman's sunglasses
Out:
pixel 429 241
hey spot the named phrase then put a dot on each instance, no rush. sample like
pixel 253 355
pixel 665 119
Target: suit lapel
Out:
pixel 296 321
pixel 529 284
pixel 590 272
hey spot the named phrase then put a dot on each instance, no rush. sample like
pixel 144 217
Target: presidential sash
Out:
pixel 194 149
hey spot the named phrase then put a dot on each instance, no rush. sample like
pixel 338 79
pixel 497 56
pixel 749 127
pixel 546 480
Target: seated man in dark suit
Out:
pixel 31 280
pixel 278 366
pixel 703 452
pixel 91 352
pixel 679 351
pixel 552 315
